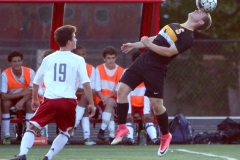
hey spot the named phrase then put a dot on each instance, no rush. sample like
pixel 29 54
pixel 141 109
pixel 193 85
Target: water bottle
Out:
pixel 143 137
pixel 43 132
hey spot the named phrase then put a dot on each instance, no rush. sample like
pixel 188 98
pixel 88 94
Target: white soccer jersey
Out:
pixel 61 72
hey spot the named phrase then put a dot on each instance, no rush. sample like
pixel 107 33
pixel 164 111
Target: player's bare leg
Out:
pixel 27 142
pixel 122 110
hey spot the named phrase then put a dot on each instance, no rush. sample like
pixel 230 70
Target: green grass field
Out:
pixel 123 152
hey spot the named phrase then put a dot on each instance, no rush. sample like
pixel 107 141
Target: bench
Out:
pixel 18 118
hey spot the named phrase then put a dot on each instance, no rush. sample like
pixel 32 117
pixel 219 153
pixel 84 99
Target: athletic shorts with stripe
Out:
pixel 62 110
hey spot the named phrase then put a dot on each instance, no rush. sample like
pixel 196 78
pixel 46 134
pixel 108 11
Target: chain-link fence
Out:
pixel 204 81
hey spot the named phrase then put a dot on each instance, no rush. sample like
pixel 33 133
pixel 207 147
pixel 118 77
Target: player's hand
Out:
pixel 35 105
pixel 19 105
pixel 126 47
pixel 26 91
pixel 91 110
pixel 145 40
pixel 104 100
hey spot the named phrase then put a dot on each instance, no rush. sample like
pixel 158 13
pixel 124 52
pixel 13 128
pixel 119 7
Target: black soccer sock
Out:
pixel 122 110
pixel 163 122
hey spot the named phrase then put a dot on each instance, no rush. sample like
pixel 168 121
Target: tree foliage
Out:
pixel 225 17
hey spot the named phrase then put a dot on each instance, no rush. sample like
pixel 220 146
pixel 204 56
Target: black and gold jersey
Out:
pixel 172 34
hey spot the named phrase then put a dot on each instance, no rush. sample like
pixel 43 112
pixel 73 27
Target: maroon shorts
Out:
pixel 62 110
pixel 138 110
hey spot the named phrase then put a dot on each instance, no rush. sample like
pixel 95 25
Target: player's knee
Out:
pixel 6 105
pixel 68 133
pixel 123 91
pixel 32 127
pixel 111 102
pixel 147 119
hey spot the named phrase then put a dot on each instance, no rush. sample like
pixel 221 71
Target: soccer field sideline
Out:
pixel 119 152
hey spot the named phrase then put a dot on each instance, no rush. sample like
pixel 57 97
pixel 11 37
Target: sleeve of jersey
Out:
pixel 32 77
pixel 97 81
pixel 92 78
pixel 4 87
pixel 83 72
pixel 184 42
pixel 38 79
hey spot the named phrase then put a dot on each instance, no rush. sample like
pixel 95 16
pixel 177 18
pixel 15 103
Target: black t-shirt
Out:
pixel 169 34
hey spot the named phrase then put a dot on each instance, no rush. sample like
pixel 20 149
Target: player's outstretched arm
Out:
pixel 163 51
pixel 129 46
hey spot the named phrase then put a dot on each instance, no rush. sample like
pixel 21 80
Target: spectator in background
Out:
pixel 107 77
pixel 82 113
pixel 16 91
pixel 138 103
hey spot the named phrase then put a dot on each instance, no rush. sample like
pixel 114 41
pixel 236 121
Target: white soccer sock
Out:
pixel 27 142
pixel 111 129
pixel 131 130
pixel 151 130
pixel 57 145
pixel 79 114
pixel 106 116
pixel 86 127
pixel 6 124
pixel 28 117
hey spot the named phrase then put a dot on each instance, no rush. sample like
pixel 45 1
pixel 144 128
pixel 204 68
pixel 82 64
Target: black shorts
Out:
pixel 148 70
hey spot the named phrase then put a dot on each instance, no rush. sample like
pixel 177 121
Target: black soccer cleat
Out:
pixel 130 141
pixel 101 135
pixel 156 141
pixel 45 158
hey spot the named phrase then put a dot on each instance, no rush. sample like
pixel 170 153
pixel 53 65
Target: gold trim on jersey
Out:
pixel 172 35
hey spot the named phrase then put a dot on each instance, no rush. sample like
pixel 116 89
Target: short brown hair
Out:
pixel 109 50
pixel 63 34
pixel 207 22
pixel 14 53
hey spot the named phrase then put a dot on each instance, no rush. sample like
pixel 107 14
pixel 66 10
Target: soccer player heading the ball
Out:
pixel 151 68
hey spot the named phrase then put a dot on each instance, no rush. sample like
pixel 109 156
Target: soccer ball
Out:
pixel 206 5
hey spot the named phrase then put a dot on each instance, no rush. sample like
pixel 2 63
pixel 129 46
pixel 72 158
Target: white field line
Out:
pixel 209 117
pixel 206 154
